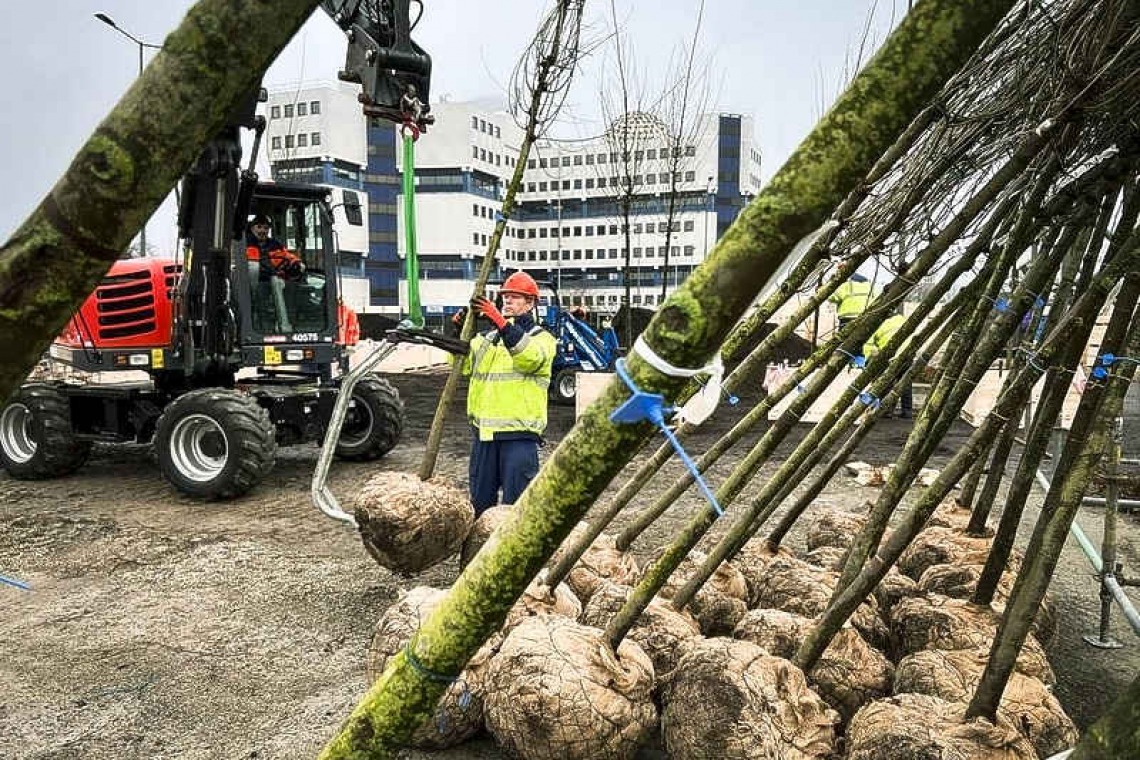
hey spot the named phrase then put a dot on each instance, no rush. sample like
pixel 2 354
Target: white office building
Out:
pixel 567 225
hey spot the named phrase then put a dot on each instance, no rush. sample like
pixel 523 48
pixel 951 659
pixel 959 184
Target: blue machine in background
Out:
pixel 580 349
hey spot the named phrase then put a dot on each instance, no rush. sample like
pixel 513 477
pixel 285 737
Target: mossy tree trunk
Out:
pixel 128 166
pixel 921 54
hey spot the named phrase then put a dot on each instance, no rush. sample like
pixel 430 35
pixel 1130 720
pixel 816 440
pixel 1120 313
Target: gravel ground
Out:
pixel 161 627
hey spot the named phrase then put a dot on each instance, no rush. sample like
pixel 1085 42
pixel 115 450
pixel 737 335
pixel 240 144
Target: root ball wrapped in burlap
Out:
pixel 793 585
pixel 950 514
pixel 540 599
pixel 827 557
pixel 834 527
pixel 752 560
pixel 664 633
pixel 892 589
pixel 601 562
pixel 939 622
pixel 945 546
pixel 484 526
pixel 555 691
pixel 408 524
pixel 1027 703
pixel 849 674
pixel 459 714
pixel 721 601
pixel 730 700
pixel 920 727
pixel 959 582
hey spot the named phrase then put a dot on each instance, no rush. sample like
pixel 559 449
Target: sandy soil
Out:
pixel 161 627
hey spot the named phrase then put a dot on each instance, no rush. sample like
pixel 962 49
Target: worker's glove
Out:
pixel 455 328
pixel 489 310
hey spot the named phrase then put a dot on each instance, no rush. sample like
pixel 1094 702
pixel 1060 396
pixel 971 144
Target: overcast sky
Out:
pixel 773 59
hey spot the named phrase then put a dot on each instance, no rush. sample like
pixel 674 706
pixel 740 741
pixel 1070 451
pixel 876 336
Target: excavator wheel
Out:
pixel 374 421
pixel 36 441
pixel 215 443
pixel 564 386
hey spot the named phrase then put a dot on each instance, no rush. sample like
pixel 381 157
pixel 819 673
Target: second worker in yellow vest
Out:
pixel 851 298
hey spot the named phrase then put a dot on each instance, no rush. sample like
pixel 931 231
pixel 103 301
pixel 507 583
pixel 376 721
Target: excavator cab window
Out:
pixel 288 284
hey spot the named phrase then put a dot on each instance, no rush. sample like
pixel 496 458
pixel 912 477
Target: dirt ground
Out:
pixel 161 627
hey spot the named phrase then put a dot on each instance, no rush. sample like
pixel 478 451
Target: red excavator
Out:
pixel 240 349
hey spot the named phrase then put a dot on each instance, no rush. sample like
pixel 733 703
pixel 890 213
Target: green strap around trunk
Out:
pixel 411 260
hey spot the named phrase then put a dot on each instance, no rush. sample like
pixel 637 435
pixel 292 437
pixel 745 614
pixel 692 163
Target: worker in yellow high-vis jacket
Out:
pixel 876 343
pixel 851 298
pixel 510 370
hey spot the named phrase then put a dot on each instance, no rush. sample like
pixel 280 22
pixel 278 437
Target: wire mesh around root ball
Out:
pixel 408 524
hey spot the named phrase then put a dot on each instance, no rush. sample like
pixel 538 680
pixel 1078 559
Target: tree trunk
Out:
pixel 919 56
pixel 1116 736
pixel 535 110
pixel 128 166
pixel 965 498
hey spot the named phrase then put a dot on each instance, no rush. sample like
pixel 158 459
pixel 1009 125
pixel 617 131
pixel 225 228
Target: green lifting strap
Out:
pixel 411 260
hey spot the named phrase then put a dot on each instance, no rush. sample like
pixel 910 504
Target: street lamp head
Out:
pixel 106 20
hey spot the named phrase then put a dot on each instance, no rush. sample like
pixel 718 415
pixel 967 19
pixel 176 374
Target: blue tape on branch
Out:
pixel 464 697
pixel 1002 305
pixel 642 406
pixel 857 360
pixel 870 399
pixel 14 582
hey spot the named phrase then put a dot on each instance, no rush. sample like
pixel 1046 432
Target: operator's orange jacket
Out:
pixel 279 256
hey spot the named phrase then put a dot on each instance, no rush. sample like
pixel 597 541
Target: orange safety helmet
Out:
pixel 521 284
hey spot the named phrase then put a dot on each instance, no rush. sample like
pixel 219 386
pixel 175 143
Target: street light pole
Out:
pixel 110 22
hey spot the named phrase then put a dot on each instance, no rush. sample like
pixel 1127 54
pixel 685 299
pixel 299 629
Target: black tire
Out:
pixel 215 443
pixel 374 422
pixel 36 441
pixel 564 386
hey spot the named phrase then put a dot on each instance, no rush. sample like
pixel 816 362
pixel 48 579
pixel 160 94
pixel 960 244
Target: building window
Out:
pixel 530 233
pixel 675 251
pixel 482 126
pixel 637 179
pixel 637 228
pixel 498 160
pixel 530 256
pixel 613 229
pixel 589 183
pixel 315 138
pixel 474 151
pixel 589 231
pixel 601 158
pixel 637 253
pixel 690 250
pixel 565 184
pixel 651 179
pixel 302 109
pixel 661 251
pixel 613 255
pixel 530 164
pixel 498 134
pixel 664 153
pixel 288 110
pixel 589 159
pixel 474 122
pixel 589 253
pixel 566 160
pixel 690 150
pixel 664 178
pixel 577 184
pixel 688 225
pixel 315 108
pixel 484 239
pixel 577 253
pixel 475 209
pixel 676 227
pixel 542 255
pixel 302 140
pixel 601 181
pixel 542 162
pixel 476 238
pixel 638 155
pixel 577 232
pixel 275 112
pixel 542 187
pixel 577 160
pixel 542 232
pixel 637 299
pixel 530 187
pixel 651 154
pixel 288 141
pixel 690 176
pixel 276 143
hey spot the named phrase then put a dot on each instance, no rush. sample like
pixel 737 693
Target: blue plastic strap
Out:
pixel 464 697
pixel 1103 361
pixel 1001 305
pixel 870 399
pixel 14 582
pixel 643 406
pixel 499 217
pixel 857 360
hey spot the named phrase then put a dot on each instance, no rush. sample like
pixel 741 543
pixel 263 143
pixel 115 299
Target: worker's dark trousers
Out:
pixel 509 465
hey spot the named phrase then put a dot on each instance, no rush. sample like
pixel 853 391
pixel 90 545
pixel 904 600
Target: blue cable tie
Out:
pixel 857 360
pixel 643 406
pixel 1032 358
pixel 870 399
pixel 499 217
pixel 1001 305
pixel 464 698
pixel 14 582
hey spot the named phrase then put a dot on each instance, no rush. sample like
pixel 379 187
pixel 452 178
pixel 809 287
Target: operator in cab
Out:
pixel 270 261
pixel 510 368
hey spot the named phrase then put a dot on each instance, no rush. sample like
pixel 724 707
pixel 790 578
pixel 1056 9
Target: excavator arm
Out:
pixel 392 70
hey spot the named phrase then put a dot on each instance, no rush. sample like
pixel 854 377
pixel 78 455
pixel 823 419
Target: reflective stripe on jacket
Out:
pixel 878 341
pixel 851 298
pixel 508 388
